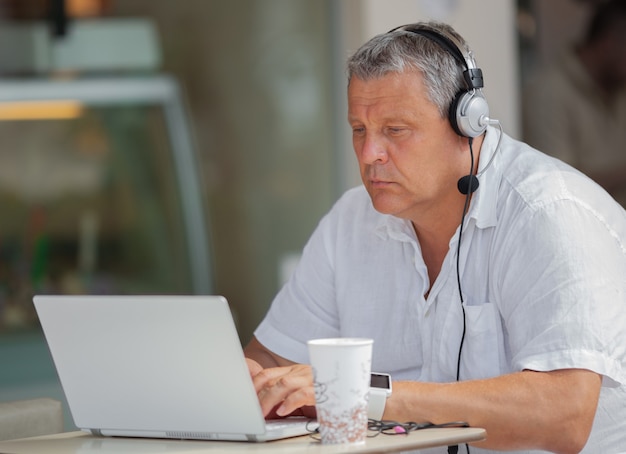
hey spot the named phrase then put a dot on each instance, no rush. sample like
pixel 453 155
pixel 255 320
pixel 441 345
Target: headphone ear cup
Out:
pixel 468 112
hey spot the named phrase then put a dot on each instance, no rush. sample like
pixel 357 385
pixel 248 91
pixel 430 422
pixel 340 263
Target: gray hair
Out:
pixel 400 50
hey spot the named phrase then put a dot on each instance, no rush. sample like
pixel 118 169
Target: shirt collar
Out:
pixel 483 206
pixel 394 228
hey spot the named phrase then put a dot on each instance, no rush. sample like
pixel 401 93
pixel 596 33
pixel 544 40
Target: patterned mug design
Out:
pixel 338 424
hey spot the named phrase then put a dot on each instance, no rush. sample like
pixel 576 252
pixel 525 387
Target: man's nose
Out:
pixel 372 150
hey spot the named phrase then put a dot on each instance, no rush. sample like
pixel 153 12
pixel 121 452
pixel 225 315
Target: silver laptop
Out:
pixel 156 366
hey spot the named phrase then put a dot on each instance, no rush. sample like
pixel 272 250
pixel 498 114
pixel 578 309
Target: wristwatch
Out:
pixel 380 390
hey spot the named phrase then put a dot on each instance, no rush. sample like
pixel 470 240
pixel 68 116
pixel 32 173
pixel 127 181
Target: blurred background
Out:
pixel 191 146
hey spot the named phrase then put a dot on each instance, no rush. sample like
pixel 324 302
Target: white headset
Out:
pixel 469 111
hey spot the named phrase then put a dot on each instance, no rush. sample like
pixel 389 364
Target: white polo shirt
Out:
pixel 543 274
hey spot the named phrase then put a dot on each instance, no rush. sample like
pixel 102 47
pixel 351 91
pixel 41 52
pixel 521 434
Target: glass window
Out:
pixel 92 200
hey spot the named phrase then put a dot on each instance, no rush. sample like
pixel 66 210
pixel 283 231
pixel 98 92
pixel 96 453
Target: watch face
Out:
pixel 380 381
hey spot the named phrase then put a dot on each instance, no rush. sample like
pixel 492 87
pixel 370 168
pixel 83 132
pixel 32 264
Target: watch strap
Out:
pixel 376 404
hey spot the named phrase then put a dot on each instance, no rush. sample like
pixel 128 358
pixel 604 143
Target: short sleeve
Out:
pixel 563 291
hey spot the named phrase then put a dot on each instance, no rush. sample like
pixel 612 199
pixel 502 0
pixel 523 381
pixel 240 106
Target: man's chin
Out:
pixel 390 204
pixel 384 205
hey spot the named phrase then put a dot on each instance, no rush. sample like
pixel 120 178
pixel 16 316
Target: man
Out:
pixel 575 108
pixel 522 329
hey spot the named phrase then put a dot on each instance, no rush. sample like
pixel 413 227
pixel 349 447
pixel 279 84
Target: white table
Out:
pixel 81 442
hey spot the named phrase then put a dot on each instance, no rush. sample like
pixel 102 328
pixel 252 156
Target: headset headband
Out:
pixel 472 75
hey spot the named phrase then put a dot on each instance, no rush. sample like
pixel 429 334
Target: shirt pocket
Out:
pixel 482 354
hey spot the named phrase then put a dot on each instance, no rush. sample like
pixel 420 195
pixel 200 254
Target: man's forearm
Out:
pixel 553 411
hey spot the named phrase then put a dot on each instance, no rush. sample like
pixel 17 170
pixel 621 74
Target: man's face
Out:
pixel 409 157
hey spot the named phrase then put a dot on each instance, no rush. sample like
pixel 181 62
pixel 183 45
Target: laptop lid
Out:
pixel 152 366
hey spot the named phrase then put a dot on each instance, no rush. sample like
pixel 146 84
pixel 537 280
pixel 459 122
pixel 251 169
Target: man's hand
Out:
pixel 284 391
pixel 254 367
